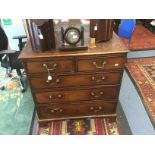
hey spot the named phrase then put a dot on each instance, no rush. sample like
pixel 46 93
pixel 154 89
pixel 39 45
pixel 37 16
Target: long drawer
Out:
pixel 53 66
pixel 106 78
pixel 102 63
pixel 71 110
pixel 103 93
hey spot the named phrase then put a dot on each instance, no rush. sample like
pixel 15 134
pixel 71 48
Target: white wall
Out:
pixel 14 30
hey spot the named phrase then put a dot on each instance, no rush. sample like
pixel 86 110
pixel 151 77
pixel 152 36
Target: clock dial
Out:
pixel 72 35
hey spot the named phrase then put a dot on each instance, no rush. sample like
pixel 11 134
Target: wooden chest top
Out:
pixel 113 46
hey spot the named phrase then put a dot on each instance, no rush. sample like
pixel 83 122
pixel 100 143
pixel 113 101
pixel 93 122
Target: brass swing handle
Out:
pixel 98 80
pixel 56 110
pixel 54 66
pixel 59 96
pixel 102 64
pixel 93 94
pixel 96 109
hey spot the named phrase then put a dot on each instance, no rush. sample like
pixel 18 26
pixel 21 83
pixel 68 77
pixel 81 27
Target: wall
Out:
pixel 13 30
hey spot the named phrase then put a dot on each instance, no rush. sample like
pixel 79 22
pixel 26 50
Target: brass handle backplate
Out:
pixel 98 66
pixel 98 80
pixel 54 66
pixel 56 110
pixel 52 82
pixel 96 109
pixel 59 96
pixel 96 95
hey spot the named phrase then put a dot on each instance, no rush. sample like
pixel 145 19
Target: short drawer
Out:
pixel 106 78
pixel 103 63
pixel 72 110
pixel 52 66
pixel 104 93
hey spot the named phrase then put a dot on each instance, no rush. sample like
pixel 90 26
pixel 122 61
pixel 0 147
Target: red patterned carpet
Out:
pixel 142 39
pixel 90 126
pixel 142 71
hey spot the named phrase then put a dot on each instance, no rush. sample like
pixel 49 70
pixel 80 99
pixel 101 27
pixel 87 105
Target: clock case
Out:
pixel 62 26
pixel 67 45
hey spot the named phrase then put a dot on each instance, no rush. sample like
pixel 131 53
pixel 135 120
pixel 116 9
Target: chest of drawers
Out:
pixel 83 84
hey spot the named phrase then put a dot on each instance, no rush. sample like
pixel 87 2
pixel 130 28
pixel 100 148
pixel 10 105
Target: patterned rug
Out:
pixel 142 39
pixel 90 126
pixel 142 71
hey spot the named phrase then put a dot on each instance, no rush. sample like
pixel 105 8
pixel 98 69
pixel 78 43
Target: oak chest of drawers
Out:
pixel 83 83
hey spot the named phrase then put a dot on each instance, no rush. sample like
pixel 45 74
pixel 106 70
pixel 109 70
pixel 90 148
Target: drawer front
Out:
pixel 71 110
pixel 106 78
pixel 51 66
pixel 98 64
pixel 104 93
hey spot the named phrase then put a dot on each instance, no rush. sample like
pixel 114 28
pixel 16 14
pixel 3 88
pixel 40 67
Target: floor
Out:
pixel 142 73
pixel 136 120
pixel 132 105
pixel 142 39
pixel 16 109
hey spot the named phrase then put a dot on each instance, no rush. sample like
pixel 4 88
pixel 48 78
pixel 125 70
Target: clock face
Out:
pixel 72 35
